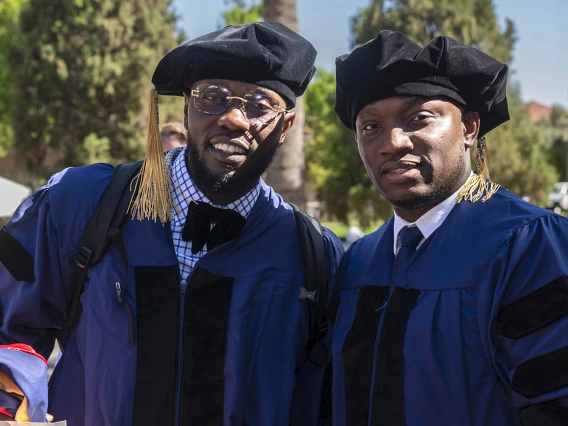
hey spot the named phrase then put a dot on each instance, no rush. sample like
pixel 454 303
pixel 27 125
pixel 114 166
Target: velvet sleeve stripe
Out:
pixel 551 413
pixel 15 258
pixel 205 334
pixel 157 340
pixel 534 311
pixel 541 375
pixel 358 353
pixel 388 404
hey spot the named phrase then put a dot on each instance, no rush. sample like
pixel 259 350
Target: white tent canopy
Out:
pixel 11 195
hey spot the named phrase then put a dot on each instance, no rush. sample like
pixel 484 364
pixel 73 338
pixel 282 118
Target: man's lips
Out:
pixel 399 166
pixel 237 143
pixel 227 150
pixel 401 172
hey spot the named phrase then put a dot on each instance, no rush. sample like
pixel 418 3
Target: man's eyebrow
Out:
pixel 269 93
pixel 223 83
pixel 414 101
pixel 215 82
pixel 257 89
pixel 263 91
pixel 370 109
pixel 410 102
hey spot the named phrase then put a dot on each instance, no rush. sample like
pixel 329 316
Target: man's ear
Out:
pixel 470 127
pixel 288 122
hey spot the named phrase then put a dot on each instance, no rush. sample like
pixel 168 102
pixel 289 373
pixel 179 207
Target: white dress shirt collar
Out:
pixel 429 221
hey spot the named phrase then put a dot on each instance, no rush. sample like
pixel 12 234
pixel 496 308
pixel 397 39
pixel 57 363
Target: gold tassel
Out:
pixel 479 186
pixel 152 197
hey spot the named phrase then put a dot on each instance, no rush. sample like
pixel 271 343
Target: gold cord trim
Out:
pixel 479 186
pixel 153 196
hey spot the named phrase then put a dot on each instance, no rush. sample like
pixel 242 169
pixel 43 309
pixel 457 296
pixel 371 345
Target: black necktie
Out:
pixel 197 228
pixel 410 237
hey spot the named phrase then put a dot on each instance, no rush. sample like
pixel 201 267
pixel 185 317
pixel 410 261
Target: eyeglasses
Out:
pixel 258 108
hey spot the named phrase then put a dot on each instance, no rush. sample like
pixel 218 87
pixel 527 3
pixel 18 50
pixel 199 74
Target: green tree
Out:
pixel 240 12
pixel 517 154
pixel 556 134
pixel 82 77
pixel 472 22
pixel 559 117
pixel 9 17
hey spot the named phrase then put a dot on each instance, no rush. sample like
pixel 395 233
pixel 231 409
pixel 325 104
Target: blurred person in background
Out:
pixel 455 311
pixel 197 313
pixel 173 136
pixel 352 235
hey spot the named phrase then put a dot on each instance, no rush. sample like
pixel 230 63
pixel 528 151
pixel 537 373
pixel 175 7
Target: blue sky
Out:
pixel 540 58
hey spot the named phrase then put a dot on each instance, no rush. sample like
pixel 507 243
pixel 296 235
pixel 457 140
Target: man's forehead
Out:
pixel 388 103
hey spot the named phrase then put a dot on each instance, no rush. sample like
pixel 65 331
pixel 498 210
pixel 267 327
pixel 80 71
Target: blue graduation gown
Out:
pixel 474 331
pixel 222 350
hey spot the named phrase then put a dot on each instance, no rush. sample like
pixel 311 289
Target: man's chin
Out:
pixel 218 168
pixel 227 181
pixel 409 199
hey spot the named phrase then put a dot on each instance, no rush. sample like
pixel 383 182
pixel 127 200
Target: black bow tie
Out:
pixel 197 228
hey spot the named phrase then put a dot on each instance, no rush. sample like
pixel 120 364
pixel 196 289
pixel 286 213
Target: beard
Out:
pixel 234 181
pixel 437 193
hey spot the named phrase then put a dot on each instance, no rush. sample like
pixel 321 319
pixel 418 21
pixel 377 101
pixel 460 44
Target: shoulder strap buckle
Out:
pixel 305 294
pixel 84 257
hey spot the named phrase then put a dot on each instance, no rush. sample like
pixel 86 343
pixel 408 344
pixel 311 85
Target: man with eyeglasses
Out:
pixel 197 313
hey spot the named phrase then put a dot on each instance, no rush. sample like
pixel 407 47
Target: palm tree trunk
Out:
pixel 287 172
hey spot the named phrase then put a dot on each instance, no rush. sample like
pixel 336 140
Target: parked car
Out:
pixel 559 197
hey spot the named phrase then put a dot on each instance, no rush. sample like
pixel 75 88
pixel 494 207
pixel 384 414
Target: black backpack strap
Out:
pixel 109 216
pixel 315 265
pixel 309 405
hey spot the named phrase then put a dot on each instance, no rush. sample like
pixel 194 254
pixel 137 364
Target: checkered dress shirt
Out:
pixel 184 190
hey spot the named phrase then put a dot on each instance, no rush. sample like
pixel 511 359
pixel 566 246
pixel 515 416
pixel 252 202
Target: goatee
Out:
pixel 233 181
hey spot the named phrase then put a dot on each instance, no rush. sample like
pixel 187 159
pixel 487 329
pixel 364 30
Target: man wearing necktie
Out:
pixel 455 311
pixel 202 319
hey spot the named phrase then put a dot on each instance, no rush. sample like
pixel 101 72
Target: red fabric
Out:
pixel 20 347
pixel 5 412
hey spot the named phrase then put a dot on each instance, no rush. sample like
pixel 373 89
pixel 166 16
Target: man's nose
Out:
pixel 234 118
pixel 395 141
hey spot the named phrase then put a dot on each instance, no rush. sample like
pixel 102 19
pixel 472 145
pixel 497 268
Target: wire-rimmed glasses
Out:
pixel 258 108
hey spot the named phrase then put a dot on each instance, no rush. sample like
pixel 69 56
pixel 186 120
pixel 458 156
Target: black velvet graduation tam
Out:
pixel 394 65
pixel 264 53
pixel 268 54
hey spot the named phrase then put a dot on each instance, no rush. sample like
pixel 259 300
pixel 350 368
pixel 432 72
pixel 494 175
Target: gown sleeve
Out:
pixel 34 288
pixel 529 320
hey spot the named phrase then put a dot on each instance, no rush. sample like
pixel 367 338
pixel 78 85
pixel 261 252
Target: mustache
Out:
pixel 244 137
pixel 408 158
pixel 403 161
